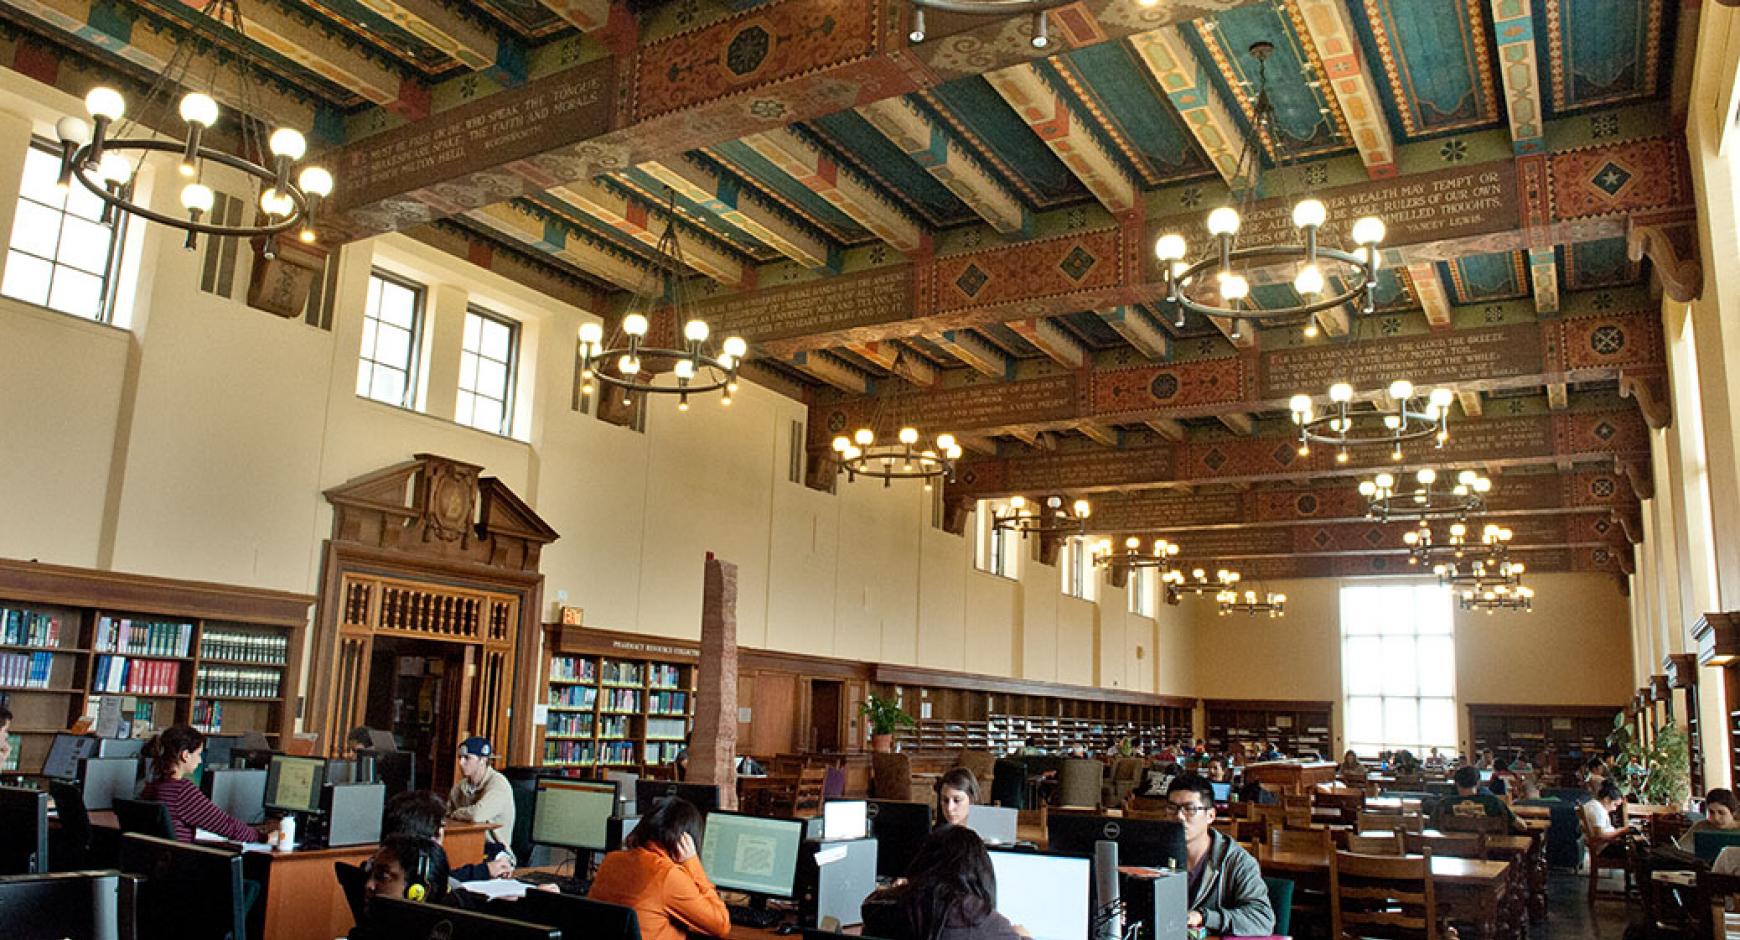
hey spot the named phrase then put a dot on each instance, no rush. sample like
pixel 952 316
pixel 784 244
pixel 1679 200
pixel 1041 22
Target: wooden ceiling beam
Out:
pixel 977 352
pixel 1335 322
pixel 303 42
pixel 523 224
pixel 645 224
pixel 1330 29
pixel 1513 26
pixel 1471 404
pixel 1239 424
pixel 587 15
pixel 1429 293
pixel 1189 86
pixel 727 199
pixel 896 358
pixel 467 42
pixel 860 201
pixel 1139 330
pixel 1544 278
pixel 1167 428
pixel 1054 123
pixel 934 149
pixel 1052 340
pixel 1101 434
pixel 826 367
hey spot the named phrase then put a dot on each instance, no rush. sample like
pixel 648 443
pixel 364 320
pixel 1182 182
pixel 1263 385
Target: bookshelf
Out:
pixel 614 701
pixel 1296 727
pixel 1573 732
pixel 216 656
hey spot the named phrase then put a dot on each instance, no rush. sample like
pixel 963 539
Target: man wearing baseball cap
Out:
pixel 481 794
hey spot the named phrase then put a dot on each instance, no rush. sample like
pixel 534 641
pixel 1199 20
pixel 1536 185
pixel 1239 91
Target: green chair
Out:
pixel 1281 899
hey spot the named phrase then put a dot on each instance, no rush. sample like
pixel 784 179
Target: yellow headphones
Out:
pixel 417 884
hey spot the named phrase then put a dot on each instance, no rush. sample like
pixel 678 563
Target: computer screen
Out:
pixel 396 917
pixel 752 854
pixel 64 754
pixel 104 779
pixel 396 769
pixel 577 917
pixel 625 790
pixel 120 747
pixel 342 771
pixel 1046 895
pixel 617 830
pixel 1485 776
pixel 1222 792
pixel 573 814
pixel 353 812
pixel 900 827
pixel 996 824
pixel 191 892
pixel 648 793
pixel 1148 843
pixel 239 791
pixel 218 750
pixel 69 906
pixel 1709 843
pixel 23 832
pixel 845 819
pixel 293 783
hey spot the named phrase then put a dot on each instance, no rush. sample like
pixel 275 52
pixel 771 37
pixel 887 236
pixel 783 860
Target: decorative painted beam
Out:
pixel 725 197
pixel 1237 423
pixel 1471 404
pixel 1238 331
pixel 857 199
pixel 303 42
pixel 1049 115
pixel 1052 340
pixel 1558 396
pixel 896 358
pixel 1167 428
pixel 1139 330
pixel 977 444
pixel 1544 274
pixel 543 231
pixel 1098 433
pixel 1513 25
pixel 931 147
pixel 1330 29
pixel 829 368
pixel 1038 440
pixel 645 225
pixel 1335 322
pixel 470 44
pixel 1191 91
pixel 588 15
pixel 978 352
pixel 1429 292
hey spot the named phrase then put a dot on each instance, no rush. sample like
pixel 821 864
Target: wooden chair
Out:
pixel 1079 781
pixel 890 776
pixel 1376 844
pixel 1125 779
pixel 1349 802
pixel 1272 817
pixel 1395 822
pixel 806 793
pixel 983 764
pixel 1599 863
pixel 1454 845
pixel 1297 817
pixel 1373 895
pixel 1316 841
pixel 1485 825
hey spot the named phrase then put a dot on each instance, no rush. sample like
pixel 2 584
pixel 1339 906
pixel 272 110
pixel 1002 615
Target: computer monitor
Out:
pixel 1044 894
pixel 64 754
pixel 845 819
pixel 1709 843
pixel 353 812
pixel 104 779
pixel 397 917
pixel 899 827
pixel 219 749
pixel 1222 792
pixel 396 769
pixel 293 783
pixel 120 747
pixel 23 832
pixel 69 906
pixel 573 814
pixel 1147 843
pixel 617 830
pixel 190 892
pixel 996 825
pixel 1486 776
pixel 342 771
pixel 577 917
pixel 239 791
pixel 625 791
pixel 752 854
pixel 648 793
pixel 383 741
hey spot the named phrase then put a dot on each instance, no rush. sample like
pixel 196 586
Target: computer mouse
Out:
pixel 786 930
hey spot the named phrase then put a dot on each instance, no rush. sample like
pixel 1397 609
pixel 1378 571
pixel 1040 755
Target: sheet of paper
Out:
pixel 496 887
pixel 830 855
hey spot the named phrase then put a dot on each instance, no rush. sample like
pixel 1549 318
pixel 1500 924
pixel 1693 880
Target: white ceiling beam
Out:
pixel 524 226
pixel 1330 29
pixel 1053 340
pixel 470 44
pixel 1139 330
pixel 859 201
pixel 1049 116
pixel 977 352
pixel 637 220
pixel 826 367
pixel 932 148
pixel 726 198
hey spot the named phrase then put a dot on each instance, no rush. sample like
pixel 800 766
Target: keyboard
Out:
pixel 754 918
pixel 564 883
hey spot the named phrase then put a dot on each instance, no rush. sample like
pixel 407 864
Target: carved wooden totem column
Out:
pixel 429 550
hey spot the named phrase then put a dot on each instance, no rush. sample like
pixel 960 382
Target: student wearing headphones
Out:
pixel 403 867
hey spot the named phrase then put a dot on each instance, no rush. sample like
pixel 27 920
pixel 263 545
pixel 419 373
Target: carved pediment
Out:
pixel 438 507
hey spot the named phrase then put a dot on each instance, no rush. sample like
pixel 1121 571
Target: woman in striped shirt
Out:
pixel 175 754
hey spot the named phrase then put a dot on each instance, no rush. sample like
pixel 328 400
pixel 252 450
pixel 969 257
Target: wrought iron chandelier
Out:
pixel 1046 518
pixel 1388 498
pixel 1496 598
pixel 1252 602
pixel 106 153
pixel 902 458
pixel 1356 267
pixel 1041 37
pixel 1131 556
pixel 631 362
pixel 1198 583
pixel 1493 567
pixel 1418 414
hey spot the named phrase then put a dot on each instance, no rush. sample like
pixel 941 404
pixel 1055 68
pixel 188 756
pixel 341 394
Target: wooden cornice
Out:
pixel 889 674
pixel 145 594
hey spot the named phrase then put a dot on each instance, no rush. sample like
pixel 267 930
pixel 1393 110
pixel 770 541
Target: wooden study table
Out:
pixel 1471 890
pixel 1289 776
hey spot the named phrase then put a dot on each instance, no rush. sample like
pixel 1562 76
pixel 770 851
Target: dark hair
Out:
pixel 1610 791
pixel 1466 777
pixel 960 779
pixel 417 855
pixel 1500 765
pixel 1192 783
pixel 5 716
pixel 360 735
pixel 950 883
pixel 665 826
pixel 165 750
pixel 1722 796
pixel 416 814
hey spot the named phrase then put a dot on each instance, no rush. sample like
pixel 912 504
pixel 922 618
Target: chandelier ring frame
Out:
pixel 1177 282
pixel 81 165
pixel 593 362
pixel 1415 426
pixel 875 462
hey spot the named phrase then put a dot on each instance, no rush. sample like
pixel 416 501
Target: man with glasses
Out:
pixel 1227 893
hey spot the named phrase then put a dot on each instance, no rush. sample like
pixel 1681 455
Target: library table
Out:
pixel 1526 851
pixel 1470 890
pixel 1289 776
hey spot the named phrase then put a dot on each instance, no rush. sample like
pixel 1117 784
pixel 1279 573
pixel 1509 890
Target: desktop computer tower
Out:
pixel 1161 903
pixel 834 878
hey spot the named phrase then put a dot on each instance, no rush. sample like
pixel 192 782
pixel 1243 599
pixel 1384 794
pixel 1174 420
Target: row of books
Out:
pixel 570 752
pixel 142 637
pixel 666 728
pixel 663 752
pixel 28 670
pixel 621 700
pixel 573 669
pixel 19 627
pixel 139 676
pixel 569 724
pixel 667 703
pixel 613 726
pixel 664 676
pixel 617 752
pixel 208 716
pixel 573 696
pixel 238 682
pixel 622 673
pixel 266 649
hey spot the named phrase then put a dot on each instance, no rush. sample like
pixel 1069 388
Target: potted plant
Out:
pixel 1660 774
pixel 885 716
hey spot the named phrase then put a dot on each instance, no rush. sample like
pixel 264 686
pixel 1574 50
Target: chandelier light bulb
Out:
pixel 1081 509
pixel 946 442
pixel 1041 30
pixel 1223 221
pixel 1427 476
pixel 1367 488
pixel 1368 231
pixel 1401 390
pixel 72 130
pixel 1170 247
pixel 591 334
pixel 1482 485
pixel 1132 543
pixel 199 108
pixel 105 103
pixel 695 331
pixel 287 142
pixel 273 202
pixel 1311 328
pixel 315 181
pixel 1341 455
pixel 841 444
pixel 685 369
pixel 1442 397
pixel 1309 213
pixel 1299 404
pixel 1235 287
pixel 1309 283
pixel 1393 422
pixel 1385 481
pixel 628 365
pixel 634 324
pixel 909 436
pixel 1466 477
pixel 115 168
pixel 1341 393
pixel 197 197
pixel 863 437
pixel 1458 530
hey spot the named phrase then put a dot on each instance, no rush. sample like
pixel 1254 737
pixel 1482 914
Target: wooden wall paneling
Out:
pixel 774 728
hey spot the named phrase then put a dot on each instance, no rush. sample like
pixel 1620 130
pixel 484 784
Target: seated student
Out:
pixel 1216 770
pixel 949 893
pixel 421 814
pixel 1469 801
pixel 1506 782
pixel 1227 893
pixel 175 754
pixel 1268 751
pixel 956 792
pixel 657 873
pixel 1594 774
pixel 1254 792
pixel 1350 764
pixel 480 793
pixel 1605 838
pixel 1721 812
pixel 403 867
pixel 5 736
pixel 359 739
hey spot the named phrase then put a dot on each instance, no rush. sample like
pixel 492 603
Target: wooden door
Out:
pixel 826 726
pixel 776 705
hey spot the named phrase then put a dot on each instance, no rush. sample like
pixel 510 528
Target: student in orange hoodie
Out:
pixel 658 873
